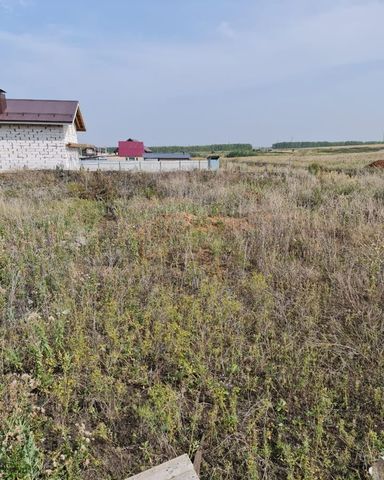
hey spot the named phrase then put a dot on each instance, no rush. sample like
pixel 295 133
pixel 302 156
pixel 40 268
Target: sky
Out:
pixel 185 72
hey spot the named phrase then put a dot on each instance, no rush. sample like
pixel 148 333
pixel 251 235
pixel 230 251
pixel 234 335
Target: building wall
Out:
pixel 37 147
pixel 131 149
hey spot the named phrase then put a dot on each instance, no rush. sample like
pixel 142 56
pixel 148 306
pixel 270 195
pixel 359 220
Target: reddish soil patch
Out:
pixel 377 164
pixel 208 223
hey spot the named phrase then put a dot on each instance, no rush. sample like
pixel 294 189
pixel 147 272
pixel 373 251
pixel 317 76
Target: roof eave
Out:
pixel 31 122
pixel 79 120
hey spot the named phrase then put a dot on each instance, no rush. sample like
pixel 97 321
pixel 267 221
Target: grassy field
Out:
pixel 346 158
pixel 146 316
pixel 243 151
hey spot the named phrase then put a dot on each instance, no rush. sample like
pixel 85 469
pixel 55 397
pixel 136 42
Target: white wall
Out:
pixel 145 165
pixel 37 147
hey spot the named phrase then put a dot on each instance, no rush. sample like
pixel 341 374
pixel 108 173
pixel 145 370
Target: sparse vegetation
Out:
pixel 143 316
pixel 332 161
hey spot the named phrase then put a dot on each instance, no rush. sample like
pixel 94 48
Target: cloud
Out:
pixel 226 30
pixel 345 35
pixel 12 4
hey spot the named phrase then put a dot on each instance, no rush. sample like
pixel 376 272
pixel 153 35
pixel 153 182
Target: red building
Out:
pixel 131 149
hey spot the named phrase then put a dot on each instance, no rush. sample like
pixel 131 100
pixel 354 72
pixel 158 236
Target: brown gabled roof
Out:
pixel 56 112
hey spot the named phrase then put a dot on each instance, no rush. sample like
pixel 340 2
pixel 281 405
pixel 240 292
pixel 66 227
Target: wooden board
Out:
pixel 179 469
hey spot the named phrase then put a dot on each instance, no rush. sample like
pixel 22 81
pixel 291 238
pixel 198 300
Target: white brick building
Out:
pixel 39 134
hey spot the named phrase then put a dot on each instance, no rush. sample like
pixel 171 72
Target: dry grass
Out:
pixel 144 316
pixel 304 158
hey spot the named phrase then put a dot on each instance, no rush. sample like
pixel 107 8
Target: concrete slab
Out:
pixel 180 468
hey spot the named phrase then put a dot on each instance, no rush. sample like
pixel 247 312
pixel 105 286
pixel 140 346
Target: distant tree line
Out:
pixel 228 147
pixel 319 144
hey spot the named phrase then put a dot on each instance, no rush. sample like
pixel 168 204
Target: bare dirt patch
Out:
pixel 377 164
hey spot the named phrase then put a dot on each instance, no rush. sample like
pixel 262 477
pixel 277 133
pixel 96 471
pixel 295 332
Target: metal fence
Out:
pixel 149 165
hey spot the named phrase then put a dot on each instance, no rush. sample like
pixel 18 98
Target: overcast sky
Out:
pixel 202 71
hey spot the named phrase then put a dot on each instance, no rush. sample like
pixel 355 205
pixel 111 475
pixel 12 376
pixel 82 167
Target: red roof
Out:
pixel 131 148
pixel 56 112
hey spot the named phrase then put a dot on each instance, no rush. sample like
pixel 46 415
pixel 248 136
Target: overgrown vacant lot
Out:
pixel 145 316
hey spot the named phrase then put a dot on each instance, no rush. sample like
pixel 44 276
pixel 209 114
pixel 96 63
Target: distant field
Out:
pixel 348 158
pixel 246 150
pixel 143 316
